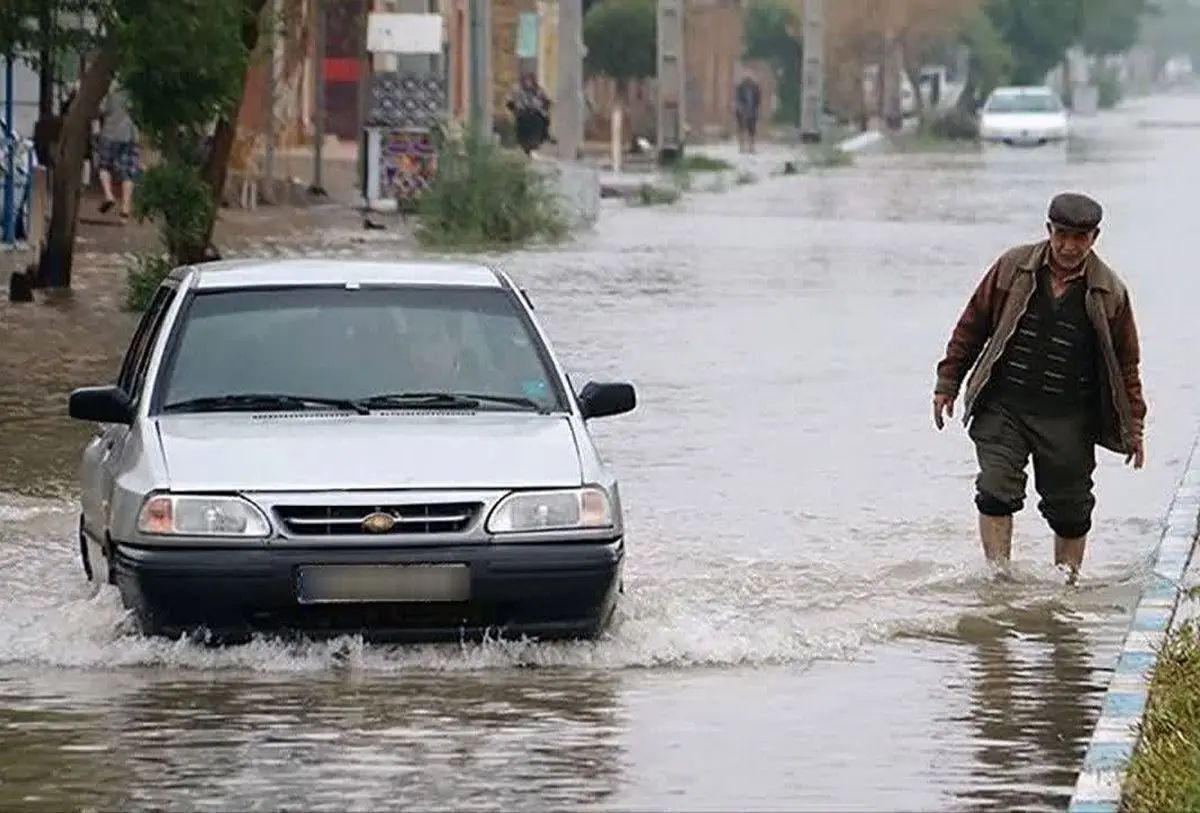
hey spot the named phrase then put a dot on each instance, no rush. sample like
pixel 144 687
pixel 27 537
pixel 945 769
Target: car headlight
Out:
pixel 177 515
pixel 532 511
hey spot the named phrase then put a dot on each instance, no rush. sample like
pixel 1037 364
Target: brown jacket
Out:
pixel 991 318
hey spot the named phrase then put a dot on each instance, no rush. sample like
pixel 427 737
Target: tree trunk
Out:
pixel 966 99
pixel 54 268
pixel 46 60
pixel 914 78
pixel 216 164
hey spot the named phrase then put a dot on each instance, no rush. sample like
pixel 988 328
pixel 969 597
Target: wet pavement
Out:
pixel 807 623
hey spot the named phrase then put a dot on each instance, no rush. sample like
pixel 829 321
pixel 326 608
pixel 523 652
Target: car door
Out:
pixel 102 457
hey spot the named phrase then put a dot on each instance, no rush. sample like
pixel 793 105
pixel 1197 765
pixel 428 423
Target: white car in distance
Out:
pixel 1023 116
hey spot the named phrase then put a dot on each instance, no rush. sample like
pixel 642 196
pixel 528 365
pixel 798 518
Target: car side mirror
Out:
pixel 602 400
pixel 101 405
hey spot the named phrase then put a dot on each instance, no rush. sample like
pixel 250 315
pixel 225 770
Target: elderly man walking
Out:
pixel 1051 335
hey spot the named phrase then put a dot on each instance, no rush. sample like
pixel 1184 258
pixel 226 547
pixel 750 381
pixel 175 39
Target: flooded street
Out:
pixel 807 621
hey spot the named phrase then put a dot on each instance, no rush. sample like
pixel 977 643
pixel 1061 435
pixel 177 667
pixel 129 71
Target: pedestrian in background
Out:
pixel 747 101
pixel 118 153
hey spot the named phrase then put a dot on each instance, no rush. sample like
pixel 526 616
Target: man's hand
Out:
pixel 1138 456
pixel 943 405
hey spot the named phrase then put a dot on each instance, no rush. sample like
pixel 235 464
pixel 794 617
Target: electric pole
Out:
pixel 671 81
pixel 318 185
pixel 812 81
pixel 568 102
pixel 481 68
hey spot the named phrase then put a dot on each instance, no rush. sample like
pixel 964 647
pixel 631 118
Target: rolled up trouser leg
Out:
pixel 1002 448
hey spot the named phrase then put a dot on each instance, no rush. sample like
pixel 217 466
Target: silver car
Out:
pixel 389 449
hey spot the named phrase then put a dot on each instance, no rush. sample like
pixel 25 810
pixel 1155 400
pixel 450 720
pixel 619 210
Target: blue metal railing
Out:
pixel 8 211
pixel 18 160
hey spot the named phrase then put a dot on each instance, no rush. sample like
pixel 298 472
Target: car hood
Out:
pixel 1023 121
pixel 310 451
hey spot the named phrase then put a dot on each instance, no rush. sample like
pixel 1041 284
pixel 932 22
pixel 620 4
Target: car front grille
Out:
pixel 352 520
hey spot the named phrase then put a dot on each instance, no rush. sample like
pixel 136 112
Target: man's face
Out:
pixel 1070 248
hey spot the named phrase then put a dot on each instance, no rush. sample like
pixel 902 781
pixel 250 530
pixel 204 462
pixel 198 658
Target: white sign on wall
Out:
pixel 404 33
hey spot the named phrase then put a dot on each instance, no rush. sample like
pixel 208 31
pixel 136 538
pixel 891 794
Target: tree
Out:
pixel 23 30
pixel 875 32
pixel 1173 29
pixel 1020 41
pixel 180 87
pixel 1112 26
pixel 621 37
pixel 989 62
pixel 769 33
pixel 1038 32
pixel 919 27
pixel 621 41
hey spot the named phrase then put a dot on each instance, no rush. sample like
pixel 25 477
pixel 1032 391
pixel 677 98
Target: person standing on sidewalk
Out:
pixel 1052 329
pixel 118 151
pixel 747 101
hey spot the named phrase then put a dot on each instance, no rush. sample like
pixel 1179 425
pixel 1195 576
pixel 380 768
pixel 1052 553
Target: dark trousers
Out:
pixel 1063 449
pixel 533 127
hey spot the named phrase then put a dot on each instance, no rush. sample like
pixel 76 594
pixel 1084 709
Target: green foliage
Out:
pixel 28 26
pixel 991 59
pixel 830 156
pixel 1037 32
pixel 483 196
pixel 183 63
pixel 174 194
pixel 1109 88
pixel 767 35
pixel 951 125
pixel 704 163
pixel 142 278
pixel 1165 771
pixel 1111 26
pixel 621 40
pixel 649 194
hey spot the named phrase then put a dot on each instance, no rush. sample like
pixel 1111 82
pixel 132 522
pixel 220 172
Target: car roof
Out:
pixel 274 273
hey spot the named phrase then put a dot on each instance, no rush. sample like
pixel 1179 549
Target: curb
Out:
pixel 1101 779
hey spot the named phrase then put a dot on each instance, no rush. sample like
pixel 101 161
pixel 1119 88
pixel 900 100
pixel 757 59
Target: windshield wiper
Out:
pixel 263 400
pixel 446 400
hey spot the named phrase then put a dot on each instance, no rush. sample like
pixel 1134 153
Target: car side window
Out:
pixel 137 359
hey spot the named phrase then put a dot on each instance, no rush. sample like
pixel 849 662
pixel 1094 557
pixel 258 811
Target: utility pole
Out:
pixel 568 101
pixel 812 82
pixel 670 79
pixel 481 68
pixel 318 184
pixel 269 106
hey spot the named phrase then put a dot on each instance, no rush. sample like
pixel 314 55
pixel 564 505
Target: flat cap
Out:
pixel 1076 212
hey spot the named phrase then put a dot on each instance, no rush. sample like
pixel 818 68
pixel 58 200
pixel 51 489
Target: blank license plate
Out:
pixel 324 584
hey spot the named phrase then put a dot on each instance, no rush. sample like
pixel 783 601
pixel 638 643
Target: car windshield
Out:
pixel 1023 103
pixel 349 345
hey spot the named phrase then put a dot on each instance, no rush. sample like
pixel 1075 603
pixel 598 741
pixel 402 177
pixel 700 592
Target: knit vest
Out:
pixel 1050 363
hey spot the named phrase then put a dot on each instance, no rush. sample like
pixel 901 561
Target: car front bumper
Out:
pixel 1018 138
pixel 543 590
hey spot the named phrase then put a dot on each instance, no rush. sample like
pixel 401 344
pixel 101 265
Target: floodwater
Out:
pixel 807 622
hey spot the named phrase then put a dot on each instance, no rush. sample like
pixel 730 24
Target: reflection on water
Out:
pixel 1035 692
pixel 336 742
